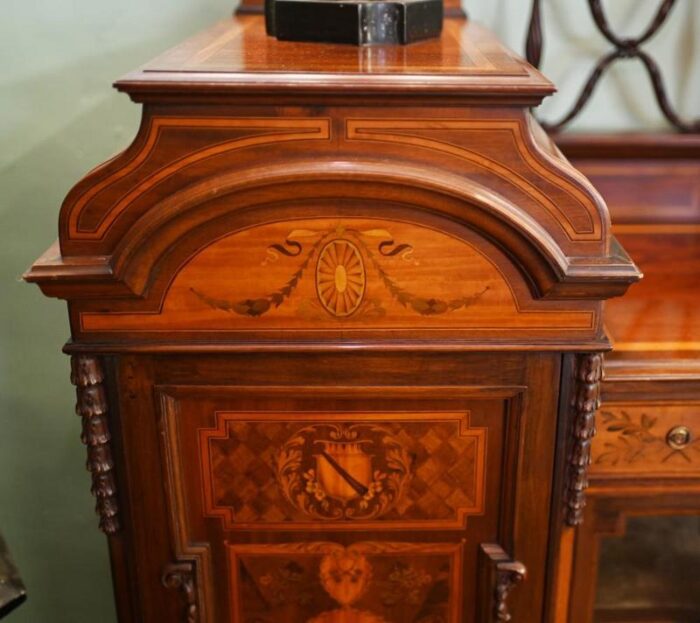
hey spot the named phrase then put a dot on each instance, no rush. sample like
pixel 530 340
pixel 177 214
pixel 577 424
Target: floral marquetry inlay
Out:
pixel 659 439
pixel 341 276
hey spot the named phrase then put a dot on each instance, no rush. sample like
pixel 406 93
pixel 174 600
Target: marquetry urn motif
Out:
pixel 366 582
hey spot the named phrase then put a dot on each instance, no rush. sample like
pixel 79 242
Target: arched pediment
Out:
pixel 135 225
pixel 335 189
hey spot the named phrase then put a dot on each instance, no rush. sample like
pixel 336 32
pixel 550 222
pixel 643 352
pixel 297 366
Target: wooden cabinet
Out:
pixel 336 322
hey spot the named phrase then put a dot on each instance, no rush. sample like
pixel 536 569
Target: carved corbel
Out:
pixel 180 576
pixel 88 377
pixel 499 576
pixel 585 402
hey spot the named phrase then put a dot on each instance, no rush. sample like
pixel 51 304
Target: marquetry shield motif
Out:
pixel 343 471
pixel 340 277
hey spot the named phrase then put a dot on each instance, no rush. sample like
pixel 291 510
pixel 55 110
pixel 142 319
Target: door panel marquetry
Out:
pixel 350 471
pixel 366 582
pixel 345 503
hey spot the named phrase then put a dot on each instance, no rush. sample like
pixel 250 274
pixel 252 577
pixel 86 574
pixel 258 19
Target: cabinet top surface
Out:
pixel 660 314
pixel 237 55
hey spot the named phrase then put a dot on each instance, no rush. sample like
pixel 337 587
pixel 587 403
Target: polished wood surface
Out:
pixel 348 277
pixel 448 491
pixel 651 184
pixel 237 56
pixel 653 439
pixel 336 326
pixel 662 313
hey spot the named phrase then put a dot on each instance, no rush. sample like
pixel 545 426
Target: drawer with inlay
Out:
pixel 647 439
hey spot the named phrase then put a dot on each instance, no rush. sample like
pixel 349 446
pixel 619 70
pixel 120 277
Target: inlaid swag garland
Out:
pixel 350 241
pixel 623 48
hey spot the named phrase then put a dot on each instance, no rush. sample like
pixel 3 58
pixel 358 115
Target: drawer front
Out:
pixel 650 439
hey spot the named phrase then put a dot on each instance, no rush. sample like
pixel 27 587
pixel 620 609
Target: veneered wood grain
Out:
pixel 651 184
pixel 341 387
pixel 413 279
pixel 126 226
pixel 249 457
pixel 661 314
pixel 236 56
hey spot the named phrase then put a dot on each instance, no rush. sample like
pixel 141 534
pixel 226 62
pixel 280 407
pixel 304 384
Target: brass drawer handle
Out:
pixel 678 437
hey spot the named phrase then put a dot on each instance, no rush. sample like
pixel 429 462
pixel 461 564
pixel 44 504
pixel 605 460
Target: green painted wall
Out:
pixel 59 117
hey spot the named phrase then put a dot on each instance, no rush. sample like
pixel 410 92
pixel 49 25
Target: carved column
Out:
pixel 180 576
pixel 585 402
pixel 88 377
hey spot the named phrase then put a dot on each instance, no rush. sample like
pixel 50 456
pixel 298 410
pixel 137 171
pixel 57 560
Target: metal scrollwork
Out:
pixel 623 48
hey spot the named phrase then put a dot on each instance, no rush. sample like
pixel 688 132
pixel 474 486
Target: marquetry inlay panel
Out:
pixel 347 305
pixel 348 471
pixel 340 277
pixel 659 439
pixel 366 582
pixel 120 190
pixel 356 274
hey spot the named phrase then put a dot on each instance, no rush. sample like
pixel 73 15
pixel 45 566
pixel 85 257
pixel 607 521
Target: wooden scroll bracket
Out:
pixel 584 403
pixel 181 576
pixel 88 377
pixel 499 574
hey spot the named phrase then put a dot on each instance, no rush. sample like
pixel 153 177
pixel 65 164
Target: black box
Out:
pixel 359 22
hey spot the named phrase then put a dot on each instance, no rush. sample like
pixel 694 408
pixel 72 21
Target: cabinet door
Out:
pixel 346 487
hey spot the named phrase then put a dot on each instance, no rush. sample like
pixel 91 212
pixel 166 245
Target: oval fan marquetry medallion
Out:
pixel 340 277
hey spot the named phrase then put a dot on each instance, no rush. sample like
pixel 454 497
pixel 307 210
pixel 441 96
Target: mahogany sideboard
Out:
pixel 337 334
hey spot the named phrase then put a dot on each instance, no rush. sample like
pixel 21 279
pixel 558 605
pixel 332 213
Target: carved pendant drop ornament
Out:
pixel 88 377
pixel 585 403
